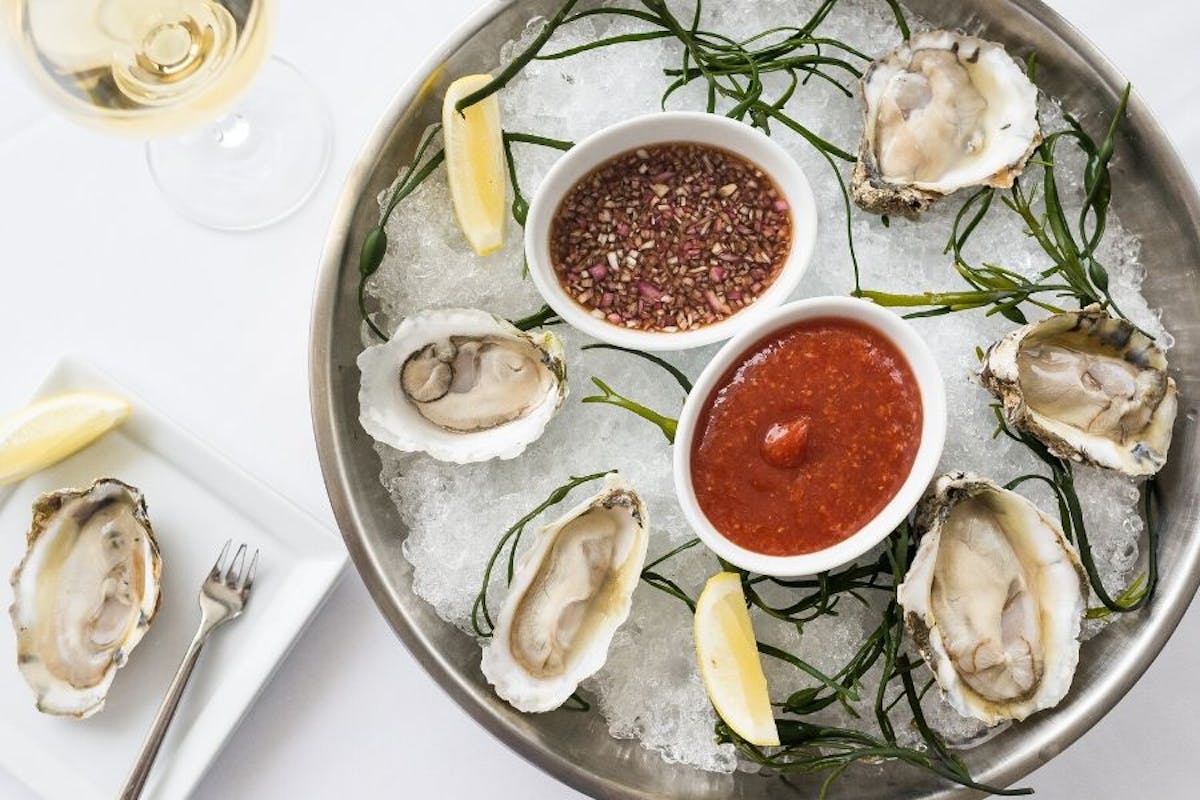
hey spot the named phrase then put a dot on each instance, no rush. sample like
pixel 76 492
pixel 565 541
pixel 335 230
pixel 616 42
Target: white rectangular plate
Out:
pixel 197 501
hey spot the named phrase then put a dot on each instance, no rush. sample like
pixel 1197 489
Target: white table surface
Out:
pixel 212 329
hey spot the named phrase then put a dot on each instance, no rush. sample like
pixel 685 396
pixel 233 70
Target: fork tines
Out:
pixel 232 574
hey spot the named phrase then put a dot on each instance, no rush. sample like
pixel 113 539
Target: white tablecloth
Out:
pixel 212 329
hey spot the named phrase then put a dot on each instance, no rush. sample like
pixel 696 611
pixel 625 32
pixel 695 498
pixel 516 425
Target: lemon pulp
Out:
pixel 475 164
pixel 729 662
pixel 51 429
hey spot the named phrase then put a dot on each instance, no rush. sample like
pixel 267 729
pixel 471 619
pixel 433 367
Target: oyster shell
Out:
pixel 941 112
pixel 1091 387
pixel 994 599
pixel 462 385
pixel 570 593
pixel 85 593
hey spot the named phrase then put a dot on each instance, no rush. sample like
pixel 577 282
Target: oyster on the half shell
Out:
pixel 994 599
pixel 1091 387
pixel 462 385
pixel 85 593
pixel 570 593
pixel 942 112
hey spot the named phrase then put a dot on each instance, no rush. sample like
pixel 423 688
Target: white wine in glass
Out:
pixel 250 141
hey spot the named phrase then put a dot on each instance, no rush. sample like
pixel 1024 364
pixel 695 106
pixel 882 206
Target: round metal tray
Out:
pixel 1155 199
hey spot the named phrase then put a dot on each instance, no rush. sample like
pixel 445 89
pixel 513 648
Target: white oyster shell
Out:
pixel 942 112
pixel 570 593
pixel 85 593
pixel 994 599
pixel 1091 387
pixel 514 390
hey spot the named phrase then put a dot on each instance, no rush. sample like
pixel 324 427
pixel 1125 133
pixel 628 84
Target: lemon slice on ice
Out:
pixel 51 429
pixel 729 663
pixel 475 164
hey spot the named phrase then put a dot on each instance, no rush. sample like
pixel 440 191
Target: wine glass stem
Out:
pixel 232 130
pixel 254 165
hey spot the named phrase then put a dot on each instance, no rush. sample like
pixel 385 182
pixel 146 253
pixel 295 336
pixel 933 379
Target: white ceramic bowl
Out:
pixel 933 435
pixel 671 126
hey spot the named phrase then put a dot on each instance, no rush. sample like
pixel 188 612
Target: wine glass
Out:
pixel 241 140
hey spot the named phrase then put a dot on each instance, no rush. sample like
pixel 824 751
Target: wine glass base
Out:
pixel 255 166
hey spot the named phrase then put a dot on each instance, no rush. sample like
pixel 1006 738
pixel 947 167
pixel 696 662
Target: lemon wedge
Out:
pixel 729 664
pixel 51 429
pixel 475 164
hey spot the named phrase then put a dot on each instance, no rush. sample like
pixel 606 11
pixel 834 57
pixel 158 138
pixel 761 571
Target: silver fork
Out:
pixel 222 597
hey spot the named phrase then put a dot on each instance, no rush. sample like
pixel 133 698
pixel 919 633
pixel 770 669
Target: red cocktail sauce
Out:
pixel 807 437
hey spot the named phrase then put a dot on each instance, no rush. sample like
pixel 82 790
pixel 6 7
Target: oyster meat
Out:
pixel 571 592
pixel 941 112
pixel 994 599
pixel 461 385
pixel 1091 387
pixel 85 593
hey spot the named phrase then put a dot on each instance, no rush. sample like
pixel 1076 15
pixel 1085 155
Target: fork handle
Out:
pixel 166 712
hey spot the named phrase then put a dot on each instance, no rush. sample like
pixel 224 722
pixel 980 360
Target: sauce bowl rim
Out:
pixel 932 391
pixel 696 127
